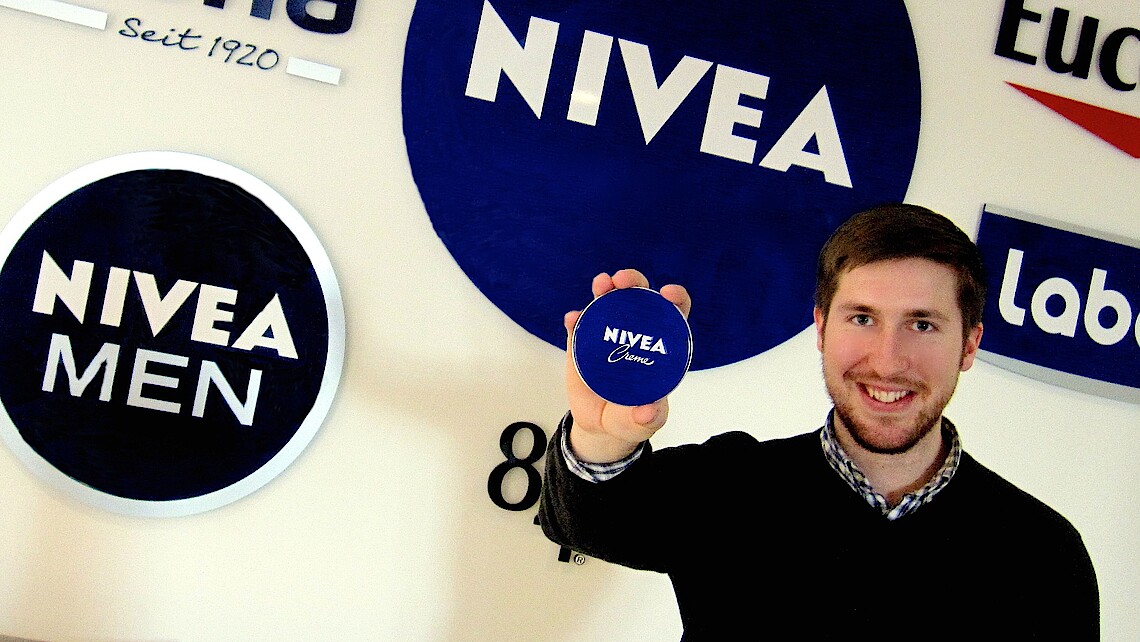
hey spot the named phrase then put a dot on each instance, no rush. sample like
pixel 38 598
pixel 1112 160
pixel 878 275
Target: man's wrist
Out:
pixel 598 448
pixel 593 471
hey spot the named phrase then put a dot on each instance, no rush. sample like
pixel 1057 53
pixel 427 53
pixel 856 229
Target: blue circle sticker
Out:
pixel 632 346
pixel 711 144
pixel 173 334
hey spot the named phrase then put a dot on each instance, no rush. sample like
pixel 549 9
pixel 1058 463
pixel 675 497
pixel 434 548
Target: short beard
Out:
pixel 926 422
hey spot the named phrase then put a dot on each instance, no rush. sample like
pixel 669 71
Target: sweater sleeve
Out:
pixel 1069 594
pixel 1045 583
pixel 599 519
pixel 663 503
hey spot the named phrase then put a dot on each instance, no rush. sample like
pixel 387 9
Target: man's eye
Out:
pixel 924 326
pixel 861 319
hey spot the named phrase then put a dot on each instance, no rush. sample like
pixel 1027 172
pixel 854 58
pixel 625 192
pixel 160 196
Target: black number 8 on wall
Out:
pixel 526 463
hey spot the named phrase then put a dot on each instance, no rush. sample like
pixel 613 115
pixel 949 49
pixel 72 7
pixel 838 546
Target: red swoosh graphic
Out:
pixel 1122 131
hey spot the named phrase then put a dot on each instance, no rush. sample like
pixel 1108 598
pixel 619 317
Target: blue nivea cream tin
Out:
pixel 632 346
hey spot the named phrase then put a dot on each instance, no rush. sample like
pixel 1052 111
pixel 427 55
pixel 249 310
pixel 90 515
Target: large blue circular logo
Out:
pixel 711 144
pixel 172 334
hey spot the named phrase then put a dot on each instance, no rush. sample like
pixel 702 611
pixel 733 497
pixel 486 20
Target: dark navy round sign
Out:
pixel 632 346
pixel 172 334
pixel 711 144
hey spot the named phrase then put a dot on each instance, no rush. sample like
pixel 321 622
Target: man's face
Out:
pixel 892 349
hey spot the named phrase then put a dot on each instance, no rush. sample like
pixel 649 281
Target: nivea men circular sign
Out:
pixel 632 346
pixel 172 333
pixel 715 144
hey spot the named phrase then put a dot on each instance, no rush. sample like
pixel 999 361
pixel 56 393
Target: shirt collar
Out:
pixel 842 464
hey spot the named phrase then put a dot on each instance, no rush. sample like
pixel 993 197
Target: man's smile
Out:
pixel 885 396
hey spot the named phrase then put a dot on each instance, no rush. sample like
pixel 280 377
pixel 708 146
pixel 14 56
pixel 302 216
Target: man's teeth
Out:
pixel 886 396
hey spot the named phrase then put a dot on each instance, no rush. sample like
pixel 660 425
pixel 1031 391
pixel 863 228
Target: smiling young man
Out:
pixel 877 524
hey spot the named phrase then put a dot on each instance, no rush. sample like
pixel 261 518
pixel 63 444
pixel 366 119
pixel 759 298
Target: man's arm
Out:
pixel 610 520
pixel 584 504
pixel 1070 606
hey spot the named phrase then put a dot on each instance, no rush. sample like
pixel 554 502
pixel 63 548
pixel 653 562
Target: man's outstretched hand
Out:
pixel 604 432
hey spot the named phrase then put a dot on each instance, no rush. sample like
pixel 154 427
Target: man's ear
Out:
pixel 820 321
pixel 970 347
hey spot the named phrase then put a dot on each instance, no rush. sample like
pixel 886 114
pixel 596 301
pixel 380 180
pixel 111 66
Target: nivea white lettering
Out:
pixel 1066 322
pixel 527 65
pixel 634 340
pixel 268 330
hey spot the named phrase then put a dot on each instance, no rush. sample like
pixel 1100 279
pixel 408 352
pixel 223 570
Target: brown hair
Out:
pixel 901 231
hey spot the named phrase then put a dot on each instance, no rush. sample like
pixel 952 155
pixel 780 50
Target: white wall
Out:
pixel 382 529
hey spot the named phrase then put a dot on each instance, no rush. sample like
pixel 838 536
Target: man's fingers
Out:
pixel 601 284
pixel 570 320
pixel 678 296
pixel 651 416
pixel 629 278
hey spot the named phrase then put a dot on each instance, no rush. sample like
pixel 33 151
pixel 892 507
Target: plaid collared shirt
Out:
pixel 832 452
pixel 850 473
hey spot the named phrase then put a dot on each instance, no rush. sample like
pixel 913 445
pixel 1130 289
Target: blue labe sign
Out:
pixel 172 334
pixel 712 144
pixel 1064 303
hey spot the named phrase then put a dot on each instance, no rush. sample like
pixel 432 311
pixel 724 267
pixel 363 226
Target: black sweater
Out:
pixel 763 540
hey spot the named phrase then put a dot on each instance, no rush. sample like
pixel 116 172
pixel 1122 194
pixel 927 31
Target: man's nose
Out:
pixel 888 353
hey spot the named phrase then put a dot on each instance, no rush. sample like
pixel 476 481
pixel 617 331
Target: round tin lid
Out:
pixel 632 346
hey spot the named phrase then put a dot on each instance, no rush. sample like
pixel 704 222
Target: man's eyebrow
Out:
pixel 927 314
pixel 856 307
